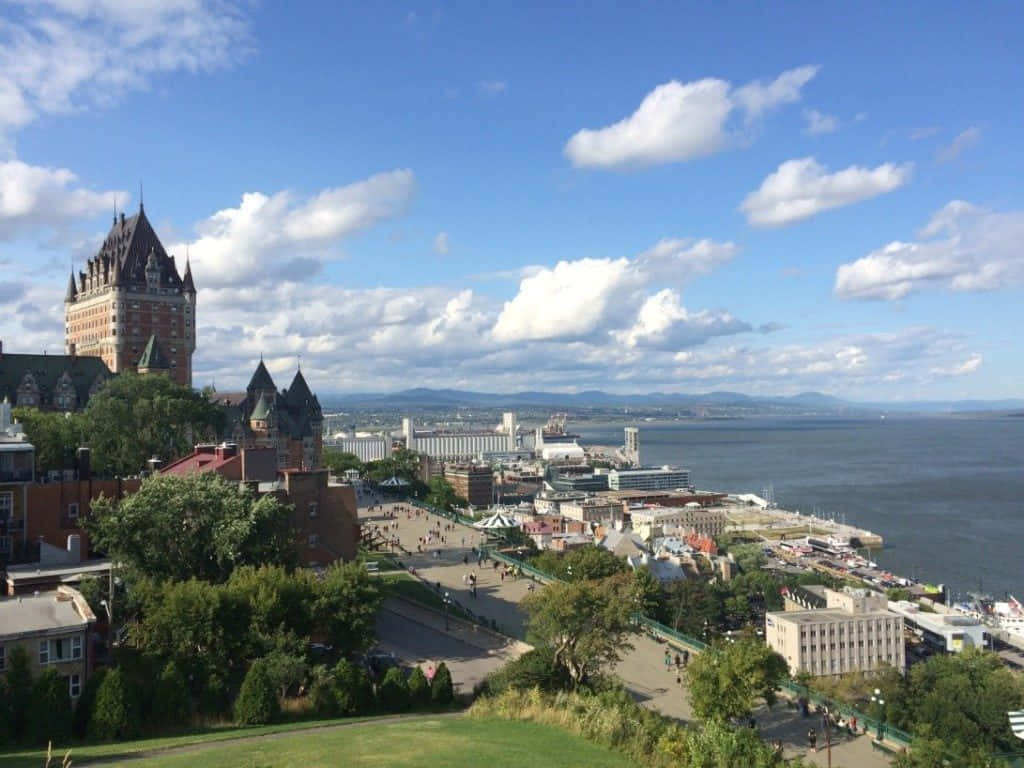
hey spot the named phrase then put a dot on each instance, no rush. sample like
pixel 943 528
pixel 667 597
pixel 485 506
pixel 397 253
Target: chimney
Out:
pixel 154 465
pixel 75 547
pixel 82 460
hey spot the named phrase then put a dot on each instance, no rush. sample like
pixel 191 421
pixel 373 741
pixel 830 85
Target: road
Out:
pixel 641 668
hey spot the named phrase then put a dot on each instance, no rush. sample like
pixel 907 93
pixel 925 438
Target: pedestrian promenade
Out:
pixel 642 669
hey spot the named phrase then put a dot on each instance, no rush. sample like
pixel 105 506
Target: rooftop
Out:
pixel 63 609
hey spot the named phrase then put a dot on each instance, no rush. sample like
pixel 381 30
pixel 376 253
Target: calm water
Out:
pixel 946 493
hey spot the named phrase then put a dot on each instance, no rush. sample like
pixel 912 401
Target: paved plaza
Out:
pixel 641 669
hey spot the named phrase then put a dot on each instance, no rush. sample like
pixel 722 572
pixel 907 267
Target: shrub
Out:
pixel 394 692
pixel 441 691
pixel 19 688
pixel 213 697
pixel 257 702
pixel 50 709
pixel 171 704
pixel 114 716
pixel 534 669
pixel 6 713
pixel 323 695
pixel 419 689
pixel 355 691
pixel 86 704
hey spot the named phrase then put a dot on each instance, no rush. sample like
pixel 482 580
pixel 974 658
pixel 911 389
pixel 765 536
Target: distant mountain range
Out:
pixel 816 402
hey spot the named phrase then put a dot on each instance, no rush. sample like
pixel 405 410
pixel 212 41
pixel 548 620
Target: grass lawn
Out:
pixel 402 584
pixel 454 742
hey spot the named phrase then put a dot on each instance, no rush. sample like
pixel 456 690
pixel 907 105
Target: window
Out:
pixel 73 510
pixel 44 651
pixel 313 509
pixel 76 647
pixel 314 540
pixel 5 543
pixel 6 505
pixel 74 686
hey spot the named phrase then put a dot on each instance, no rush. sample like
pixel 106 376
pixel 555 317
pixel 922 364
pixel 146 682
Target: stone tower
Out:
pixel 129 296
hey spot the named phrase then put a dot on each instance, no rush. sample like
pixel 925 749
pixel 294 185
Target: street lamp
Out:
pixel 447 600
pixel 568 571
pixel 876 698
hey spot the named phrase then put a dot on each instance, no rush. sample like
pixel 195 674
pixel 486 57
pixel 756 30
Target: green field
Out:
pixel 421 742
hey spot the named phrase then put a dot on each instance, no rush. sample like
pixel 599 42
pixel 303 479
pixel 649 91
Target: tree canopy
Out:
pixel 729 679
pixel 589 562
pixel 198 525
pixel 341 461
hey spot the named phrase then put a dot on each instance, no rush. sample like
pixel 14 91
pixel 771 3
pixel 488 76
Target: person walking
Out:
pixel 812 740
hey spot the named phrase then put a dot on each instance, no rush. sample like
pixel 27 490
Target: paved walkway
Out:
pixel 641 669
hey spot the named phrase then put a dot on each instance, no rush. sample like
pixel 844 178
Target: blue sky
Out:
pixel 556 196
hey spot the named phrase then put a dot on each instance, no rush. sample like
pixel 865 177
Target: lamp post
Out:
pixel 447 600
pixel 876 698
pixel 568 572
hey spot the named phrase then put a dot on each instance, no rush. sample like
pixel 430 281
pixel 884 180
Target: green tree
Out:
pixel 198 526
pixel 590 562
pixel 55 436
pixel 537 668
pixel 933 751
pixel 86 703
pixel 586 624
pixel 442 495
pixel 728 680
pixel 133 418
pixel 19 688
pixel 50 709
pixel 345 607
pixel 114 715
pixel 394 691
pixel 171 700
pixel 287 667
pixel 691 606
pixel 419 689
pixel 279 603
pixel 340 462
pixel 715 745
pixel 257 702
pixel 6 714
pixel 323 694
pixel 442 693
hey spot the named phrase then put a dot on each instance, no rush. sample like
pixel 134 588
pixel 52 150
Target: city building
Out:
pixel 365 447
pixel 946 633
pixel 50 382
pixel 564 477
pixel 461 445
pixel 550 502
pixel 53 628
pixel 289 421
pixel 631 446
pixel 324 515
pixel 473 482
pixel 652 520
pixel 592 510
pixel 648 478
pixel 130 297
pixel 852 632
pixel 17 472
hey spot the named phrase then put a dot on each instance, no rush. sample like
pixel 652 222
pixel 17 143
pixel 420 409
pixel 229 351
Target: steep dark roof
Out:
pixel 153 357
pixel 72 290
pixel 300 399
pixel 187 285
pixel 261 379
pixel 128 245
pixel 47 371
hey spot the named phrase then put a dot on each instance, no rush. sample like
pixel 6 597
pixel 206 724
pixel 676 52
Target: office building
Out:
pixel 946 633
pixel 473 482
pixel 632 445
pixel 648 478
pixel 130 307
pixel 853 632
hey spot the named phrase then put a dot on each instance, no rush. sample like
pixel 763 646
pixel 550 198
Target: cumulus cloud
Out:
pixel 963 140
pixel 665 323
pixel 680 121
pixel 62 55
pixel 441 245
pixel 577 299
pixel 963 248
pixel 268 237
pixel 819 123
pixel 802 188
pixel 35 198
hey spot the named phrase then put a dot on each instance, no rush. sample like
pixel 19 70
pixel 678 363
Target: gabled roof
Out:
pixel 47 371
pixel 153 357
pixel 187 285
pixel 261 379
pixel 129 243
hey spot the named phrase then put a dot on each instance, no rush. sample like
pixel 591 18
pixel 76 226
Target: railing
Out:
pixel 878 728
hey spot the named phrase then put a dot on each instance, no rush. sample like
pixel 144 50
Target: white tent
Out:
pixel 497 521
pixel 394 482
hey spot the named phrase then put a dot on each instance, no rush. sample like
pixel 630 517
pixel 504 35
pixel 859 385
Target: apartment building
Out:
pixel 853 632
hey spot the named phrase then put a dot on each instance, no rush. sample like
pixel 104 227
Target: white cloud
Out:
pixel 441 245
pixel 36 198
pixel 665 323
pixel 578 299
pixel 492 87
pixel 270 237
pixel 970 365
pixel 679 121
pixel 819 123
pixel 963 248
pixel 57 56
pixel 963 140
pixel 802 188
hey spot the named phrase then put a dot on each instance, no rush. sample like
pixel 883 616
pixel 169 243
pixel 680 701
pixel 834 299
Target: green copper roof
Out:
pixel 153 357
pixel 262 409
